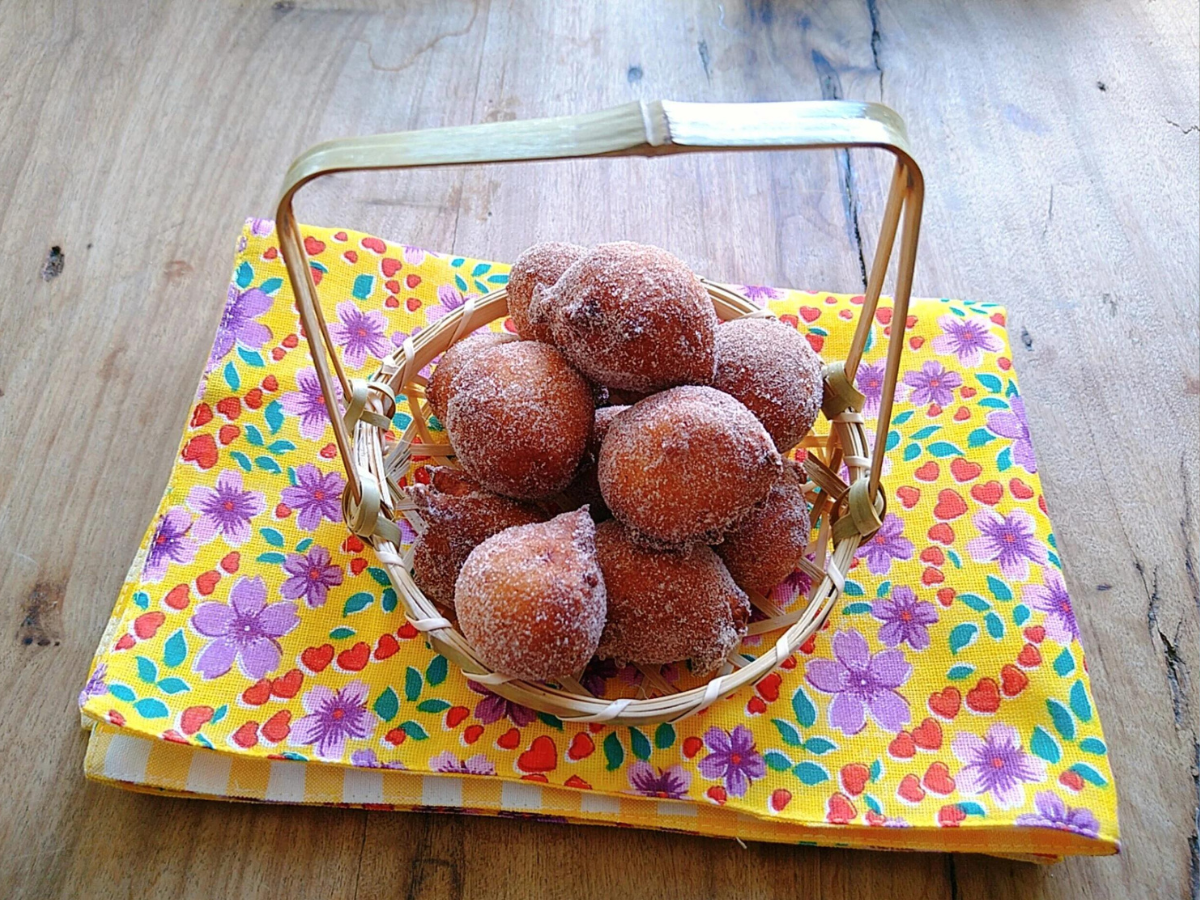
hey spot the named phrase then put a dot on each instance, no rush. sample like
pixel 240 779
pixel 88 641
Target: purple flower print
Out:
pixel 225 509
pixel 761 295
pixel 861 683
pixel 238 325
pixel 333 717
pixel 933 384
pixel 312 576
pixel 414 256
pixel 170 543
pixel 887 544
pixel 1052 812
pixel 451 764
pixel 1010 540
pixel 1051 597
pixel 670 783
pixel 967 338
pixel 366 759
pixel 731 757
pixel 360 332
pixel 1013 425
pixel 995 764
pixel 791 589
pixel 316 494
pixel 905 618
pixel 261 227
pixel 449 299
pixel 869 380
pixel 493 708
pixel 96 686
pixel 308 402
pixel 246 630
pixel 596 675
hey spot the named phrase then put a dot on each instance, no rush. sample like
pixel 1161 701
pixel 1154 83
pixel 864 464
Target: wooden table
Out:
pixel 1060 143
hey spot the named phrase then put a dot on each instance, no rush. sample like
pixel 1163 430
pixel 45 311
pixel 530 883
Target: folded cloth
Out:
pixel 257 652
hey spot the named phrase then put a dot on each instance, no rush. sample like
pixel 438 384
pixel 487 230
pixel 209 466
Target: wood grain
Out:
pixel 1060 143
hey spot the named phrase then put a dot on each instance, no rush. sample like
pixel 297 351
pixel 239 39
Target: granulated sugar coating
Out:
pixel 665 606
pixel 531 599
pixel 764 546
pixel 634 317
pixel 586 486
pixel 438 389
pixel 683 465
pixel 460 515
pixel 774 371
pixel 519 419
pixel 538 267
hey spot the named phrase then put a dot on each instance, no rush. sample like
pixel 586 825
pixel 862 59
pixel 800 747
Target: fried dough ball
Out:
pixel 764 546
pixel 772 369
pixel 669 605
pixel 586 486
pixel 685 464
pixel 459 516
pixel 531 599
pixel 519 419
pixel 437 392
pixel 538 267
pixel 634 317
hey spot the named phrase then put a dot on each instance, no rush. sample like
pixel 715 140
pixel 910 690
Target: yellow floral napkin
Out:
pixel 257 651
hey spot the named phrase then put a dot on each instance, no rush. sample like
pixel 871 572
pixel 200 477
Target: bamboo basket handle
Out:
pixel 653 128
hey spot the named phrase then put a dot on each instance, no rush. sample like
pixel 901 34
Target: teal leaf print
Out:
pixel 173 685
pixel 254 436
pixel 999 589
pixel 954 558
pixel 275 559
pixel 251 357
pixel 550 721
pixel 414 731
pixel 357 603
pixel 776 761
pixel 433 706
pixel 149 708
pixel 788 732
pixel 380 576
pixel 856 609
pixel 1064 663
pixel 810 773
pixel 460 283
pixel 1094 746
pixel 274 415
pixel 903 417
pixel 1079 702
pixel 304 545
pixel 363 285
pixel 979 437
pixel 272 537
pixel 614 753
pixel 1061 717
pixel 267 464
pixel 873 804
pixel 993 403
pixel 341 633
pixel 244 275
pixel 1011 390
pixel 231 376
pixel 141 600
pixel 1088 774
pixel 1004 459
pixel 961 671
pixel 883 589
pixel 241 459
pixel 995 626
pixel 498 278
pixel 991 382
pixel 280 447
pixel 1020 614
pixel 664 736
pixel 435 674
pixel 928 431
pixel 640 744
pixel 388 600
pixel 853 589
pixel 175 649
pixel 893 440
pixel 976 602
pixel 203 741
pixel 271 285
pixel 819 745
pixel 481 268
pixel 1044 745
pixel 911 452
pixel 876 770
pixel 147 670
pixel 972 809
pixel 387 705
pixel 413 682
pixel 219 713
pixel 944 449
pixel 122 692
pixel 963 636
pixel 802 706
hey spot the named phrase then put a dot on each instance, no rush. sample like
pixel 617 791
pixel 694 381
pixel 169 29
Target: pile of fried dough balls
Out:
pixel 658 428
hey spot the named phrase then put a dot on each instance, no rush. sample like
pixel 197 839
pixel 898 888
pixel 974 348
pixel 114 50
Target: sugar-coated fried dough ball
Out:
pixel 538 267
pixel 665 606
pixel 531 599
pixel 437 392
pixel 519 419
pixel 764 546
pixel 459 516
pixel 634 317
pixel 685 464
pixel 772 369
pixel 586 486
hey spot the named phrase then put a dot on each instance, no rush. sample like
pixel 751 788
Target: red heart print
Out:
pixel 313 247
pixel 392 286
pixel 329 451
pixel 288 685
pixel 916 342
pixel 839 810
pixel 717 795
pixel 177 597
pixel 576 782
pixel 989 493
pixel 375 245
pixel 1030 657
pixel 984 697
pixel 1042 504
pixel 780 798
pixel 1012 680
pixel 1035 633
pixel 356 658
pixel 755 706
pixel 472 733
pixel 937 779
pixel 909 496
pixel 854 778
pixel 278 727
pixel 902 746
pixel 809 314
pixel 933 555
pixel 201 450
pixel 950 816
pixel 1020 489
pixel 231 561
pixel 206 582
pixel 1071 780
pixel 282 511
pixel 816 341
pixel 946 595
pixel 934 411
pixel 317 659
pixel 350 256
pixel 392 303
pixel 930 471
pixel 202 415
pixel 691 746
pixel 510 740
pixel 412 304
pixel 883 315
pixel 846 314
pixel 962 414
pixel 942 533
pixel 412 281
pixel 964 471
pixel 230 407
pixel 407 632
pixel 932 576
pixel 341 237
pixel 910 789
pixel 542 756
pixel 386 647
pixel 246 736
pixel 967 392
pixel 194 718
pixel 950 505
pixel 581 747
pixel 146 625
pixel 1004 363
pixel 789 321
pixel 928 735
pixel 357 566
pixel 396 737
pixel 455 716
pixel 270 253
pixel 769 687
pixel 126 641
pixel 291 341
pixel 946 702
pixel 389 266
pixel 258 693
pixel 874 818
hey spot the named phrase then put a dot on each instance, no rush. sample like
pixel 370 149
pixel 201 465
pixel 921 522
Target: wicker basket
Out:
pixel 847 513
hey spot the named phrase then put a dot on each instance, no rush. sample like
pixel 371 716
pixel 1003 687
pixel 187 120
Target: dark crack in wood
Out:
pixel 876 41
